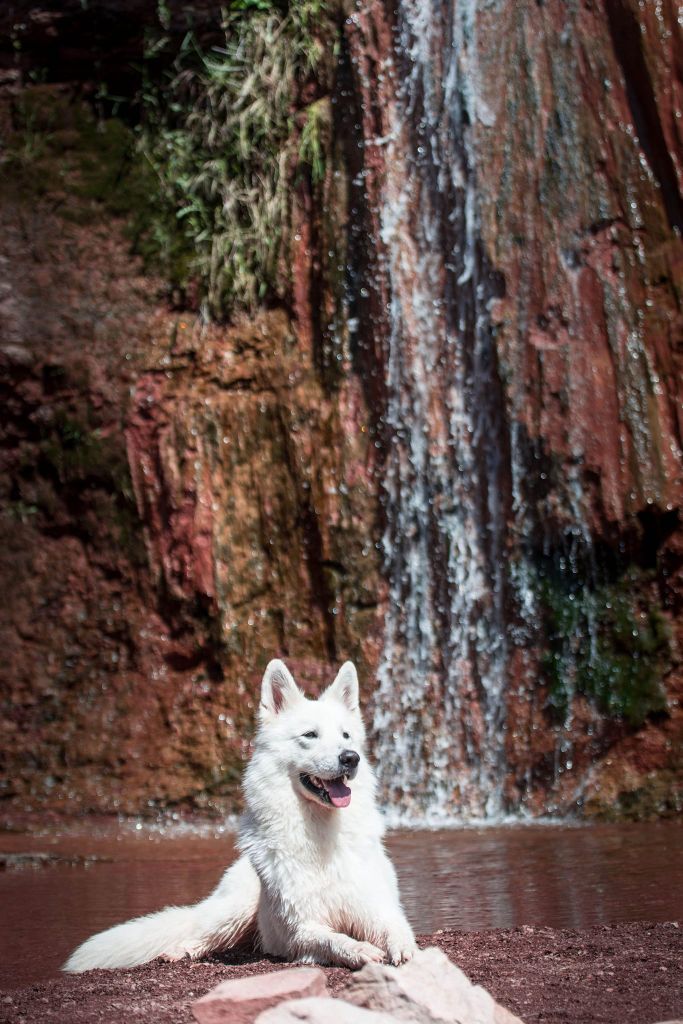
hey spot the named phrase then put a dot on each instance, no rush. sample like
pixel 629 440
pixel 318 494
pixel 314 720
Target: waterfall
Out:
pixel 439 717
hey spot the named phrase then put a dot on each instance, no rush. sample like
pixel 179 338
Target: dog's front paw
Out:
pixel 364 953
pixel 401 947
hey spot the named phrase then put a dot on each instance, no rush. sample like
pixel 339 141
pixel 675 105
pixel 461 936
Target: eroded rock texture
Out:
pixel 452 452
pixel 181 503
pixel 523 161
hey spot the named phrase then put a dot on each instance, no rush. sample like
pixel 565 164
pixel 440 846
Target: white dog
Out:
pixel 314 883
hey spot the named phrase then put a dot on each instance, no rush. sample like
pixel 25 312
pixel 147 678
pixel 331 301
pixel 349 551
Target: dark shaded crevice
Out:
pixel 202 657
pixel 313 201
pixel 363 291
pixel 627 40
pixel 321 593
pixel 657 526
pixel 195 627
pixel 556 552
pixel 242 384
pixel 101 42
pixel 335 567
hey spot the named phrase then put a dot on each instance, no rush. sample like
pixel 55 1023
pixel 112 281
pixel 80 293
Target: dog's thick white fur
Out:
pixel 314 883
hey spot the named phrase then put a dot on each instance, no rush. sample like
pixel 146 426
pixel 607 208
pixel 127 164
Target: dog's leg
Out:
pixel 319 944
pixel 376 914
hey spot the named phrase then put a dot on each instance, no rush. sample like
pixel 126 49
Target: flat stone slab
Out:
pixel 241 1000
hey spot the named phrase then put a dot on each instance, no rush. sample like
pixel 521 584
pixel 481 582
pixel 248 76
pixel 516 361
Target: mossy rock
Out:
pixel 609 642
pixel 655 795
pixel 59 144
pixel 76 463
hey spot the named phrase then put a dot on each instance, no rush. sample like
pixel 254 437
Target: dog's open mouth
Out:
pixel 329 791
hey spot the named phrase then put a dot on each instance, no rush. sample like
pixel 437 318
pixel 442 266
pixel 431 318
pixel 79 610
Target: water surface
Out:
pixel 470 879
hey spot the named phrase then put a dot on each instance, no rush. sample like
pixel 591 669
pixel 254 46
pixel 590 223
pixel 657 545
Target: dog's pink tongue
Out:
pixel 339 794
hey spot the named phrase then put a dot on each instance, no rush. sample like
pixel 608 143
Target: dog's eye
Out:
pixel 346 736
pixel 312 735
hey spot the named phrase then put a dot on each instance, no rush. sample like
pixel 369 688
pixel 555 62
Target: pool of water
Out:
pixel 469 879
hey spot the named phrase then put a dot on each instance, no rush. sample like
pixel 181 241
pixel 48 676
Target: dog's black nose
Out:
pixel 349 759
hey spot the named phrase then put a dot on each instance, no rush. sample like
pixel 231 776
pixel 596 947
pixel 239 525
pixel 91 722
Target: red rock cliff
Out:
pixel 450 448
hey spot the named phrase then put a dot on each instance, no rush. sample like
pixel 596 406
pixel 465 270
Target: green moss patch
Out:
pixel 610 642
pixel 59 145
pixel 75 463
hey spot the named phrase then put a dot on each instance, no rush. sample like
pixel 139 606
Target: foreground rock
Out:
pixel 241 1000
pixel 428 990
pixel 323 1011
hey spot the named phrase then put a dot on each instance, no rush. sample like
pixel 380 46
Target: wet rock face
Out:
pixel 254 493
pixel 579 204
pixel 180 503
pixel 452 451
pixel 524 168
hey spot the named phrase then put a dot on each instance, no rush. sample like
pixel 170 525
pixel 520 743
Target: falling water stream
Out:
pixel 440 713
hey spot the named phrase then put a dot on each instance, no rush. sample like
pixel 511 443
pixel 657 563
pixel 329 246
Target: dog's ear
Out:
pixel 278 689
pixel 345 687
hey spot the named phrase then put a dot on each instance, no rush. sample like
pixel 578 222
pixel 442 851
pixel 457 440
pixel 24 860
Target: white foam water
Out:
pixel 440 711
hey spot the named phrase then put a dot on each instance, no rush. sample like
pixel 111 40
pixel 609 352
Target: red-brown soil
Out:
pixel 618 973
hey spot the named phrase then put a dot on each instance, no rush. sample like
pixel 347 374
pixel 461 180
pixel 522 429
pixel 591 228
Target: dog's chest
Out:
pixel 326 883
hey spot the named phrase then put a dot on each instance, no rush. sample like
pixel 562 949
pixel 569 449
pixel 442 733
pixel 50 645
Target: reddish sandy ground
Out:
pixel 629 973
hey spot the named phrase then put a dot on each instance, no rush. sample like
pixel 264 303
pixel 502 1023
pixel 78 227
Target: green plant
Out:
pixel 312 146
pixel 35 118
pixel 22 511
pixel 219 137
